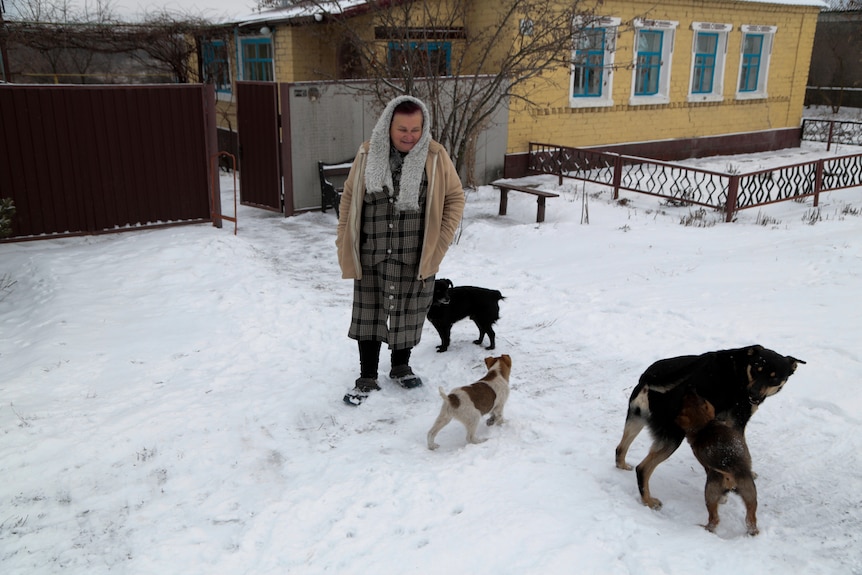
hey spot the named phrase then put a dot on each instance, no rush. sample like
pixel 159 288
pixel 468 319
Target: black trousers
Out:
pixel 369 358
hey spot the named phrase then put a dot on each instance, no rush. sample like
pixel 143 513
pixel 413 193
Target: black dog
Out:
pixel 452 304
pixel 734 381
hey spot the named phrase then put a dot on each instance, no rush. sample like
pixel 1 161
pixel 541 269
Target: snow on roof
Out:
pixel 819 3
pixel 312 9
pixel 296 12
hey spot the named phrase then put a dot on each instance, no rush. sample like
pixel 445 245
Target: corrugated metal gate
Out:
pixel 91 159
pixel 259 144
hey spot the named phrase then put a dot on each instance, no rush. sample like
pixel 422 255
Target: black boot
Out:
pixel 369 357
pixel 401 372
pixel 359 393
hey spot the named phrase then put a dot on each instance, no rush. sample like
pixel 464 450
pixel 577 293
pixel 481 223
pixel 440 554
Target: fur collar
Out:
pixel 377 171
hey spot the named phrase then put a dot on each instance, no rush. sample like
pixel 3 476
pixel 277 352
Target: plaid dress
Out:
pixel 389 302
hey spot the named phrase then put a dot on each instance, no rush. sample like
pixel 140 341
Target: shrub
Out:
pixel 697 219
pixel 7 210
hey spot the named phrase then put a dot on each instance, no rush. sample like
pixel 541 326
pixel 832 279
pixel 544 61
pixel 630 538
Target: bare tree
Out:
pixel 845 4
pixel 166 37
pixel 837 55
pixel 527 42
pixel 270 4
pixel 53 44
pixel 68 40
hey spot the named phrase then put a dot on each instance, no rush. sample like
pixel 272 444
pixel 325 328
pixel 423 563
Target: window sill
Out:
pixel 751 95
pixel 702 98
pixel 658 99
pixel 590 103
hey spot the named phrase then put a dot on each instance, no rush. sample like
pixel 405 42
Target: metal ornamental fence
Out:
pixel 727 192
pixel 838 131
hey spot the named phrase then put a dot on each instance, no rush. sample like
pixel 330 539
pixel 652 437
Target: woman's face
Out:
pixel 405 130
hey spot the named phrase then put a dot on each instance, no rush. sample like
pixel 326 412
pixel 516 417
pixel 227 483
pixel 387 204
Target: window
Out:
pixel 592 62
pixel 752 50
pixel 422 58
pixel 588 63
pixel 257 59
pixel 706 46
pixel 709 49
pixel 648 62
pixel 754 61
pixel 653 51
pixel 216 68
pixel 349 58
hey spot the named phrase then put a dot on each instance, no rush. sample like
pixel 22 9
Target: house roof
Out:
pixel 307 12
pixel 304 12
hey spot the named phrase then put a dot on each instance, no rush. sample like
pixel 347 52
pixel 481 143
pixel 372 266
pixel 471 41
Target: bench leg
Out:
pixel 540 210
pixel 504 201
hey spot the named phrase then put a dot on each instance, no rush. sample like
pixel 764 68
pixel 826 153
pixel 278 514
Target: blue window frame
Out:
pixel 423 58
pixel 257 59
pixel 706 50
pixel 588 64
pixel 752 53
pixel 216 67
pixel 648 71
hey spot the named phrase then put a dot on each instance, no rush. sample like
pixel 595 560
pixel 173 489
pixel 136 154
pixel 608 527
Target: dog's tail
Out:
pixel 443 394
pixel 451 398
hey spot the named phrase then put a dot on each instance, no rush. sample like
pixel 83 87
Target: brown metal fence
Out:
pixel 727 192
pixel 85 160
pixel 832 131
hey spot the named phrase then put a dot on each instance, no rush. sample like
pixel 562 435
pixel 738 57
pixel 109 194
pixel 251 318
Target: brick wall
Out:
pixel 554 121
pixel 303 53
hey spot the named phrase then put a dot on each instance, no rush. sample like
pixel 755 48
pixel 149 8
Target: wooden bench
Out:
pixel 541 196
pixel 330 194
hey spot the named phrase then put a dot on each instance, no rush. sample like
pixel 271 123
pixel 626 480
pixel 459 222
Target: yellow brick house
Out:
pixel 665 79
pixel 691 78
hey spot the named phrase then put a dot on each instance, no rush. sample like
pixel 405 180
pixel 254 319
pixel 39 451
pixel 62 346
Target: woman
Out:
pixel 401 206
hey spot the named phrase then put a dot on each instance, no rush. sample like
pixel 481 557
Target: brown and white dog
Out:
pixel 722 451
pixel 469 403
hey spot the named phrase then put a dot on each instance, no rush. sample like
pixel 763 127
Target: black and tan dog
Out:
pixel 734 381
pixel 722 451
pixel 469 403
pixel 452 304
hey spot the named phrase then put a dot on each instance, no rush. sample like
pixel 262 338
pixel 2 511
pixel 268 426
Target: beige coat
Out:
pixel 444 206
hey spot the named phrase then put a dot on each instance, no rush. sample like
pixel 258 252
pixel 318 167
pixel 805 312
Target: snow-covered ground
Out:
pixel 170 400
